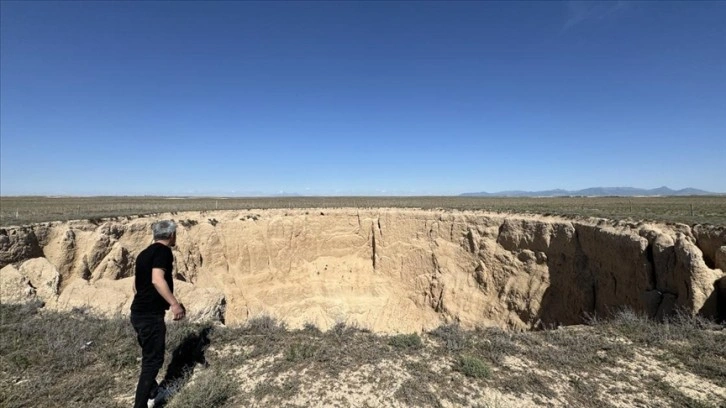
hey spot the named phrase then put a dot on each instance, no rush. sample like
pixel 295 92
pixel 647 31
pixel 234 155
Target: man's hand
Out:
pixel 178 311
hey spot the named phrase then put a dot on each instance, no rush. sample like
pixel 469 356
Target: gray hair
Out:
pixel 163 229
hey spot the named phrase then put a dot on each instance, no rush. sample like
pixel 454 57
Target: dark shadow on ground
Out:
pixel 715 306
pixel 185 357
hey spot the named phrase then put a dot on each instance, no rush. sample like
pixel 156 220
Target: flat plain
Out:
pixel 690 210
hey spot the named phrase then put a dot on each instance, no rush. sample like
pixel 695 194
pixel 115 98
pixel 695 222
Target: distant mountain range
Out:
pixel 596 192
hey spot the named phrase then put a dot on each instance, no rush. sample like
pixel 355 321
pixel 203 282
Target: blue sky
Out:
pixel 379 98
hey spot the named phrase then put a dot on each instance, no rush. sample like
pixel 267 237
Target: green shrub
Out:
pixel 406 341
pixel 188 223
pixel 264 325
pixel 211 388
pixel 472 367
pixel 311 328
pixel 452 337
pixel 299 352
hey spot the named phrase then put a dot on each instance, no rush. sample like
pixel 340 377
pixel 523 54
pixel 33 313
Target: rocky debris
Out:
pixel 697 278
pixel 113 230
pixel 104 297
pixel 62 252
pixel 527 256
pixel 18 244
pixel 202 304
pixel 42 233
pixel 100 249
pixel 35 279
pixel 187 262
pixel 710 239
pixel 663 257
pixel 118 264
pixel 525 234
pixel 43 275
pixel 15 287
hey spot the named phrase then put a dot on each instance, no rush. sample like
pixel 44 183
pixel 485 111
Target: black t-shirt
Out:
pixel 147 300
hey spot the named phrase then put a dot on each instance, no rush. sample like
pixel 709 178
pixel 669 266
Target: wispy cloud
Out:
pixel 579 12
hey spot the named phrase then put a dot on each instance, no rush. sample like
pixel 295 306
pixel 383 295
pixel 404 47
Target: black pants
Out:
pixel 151 333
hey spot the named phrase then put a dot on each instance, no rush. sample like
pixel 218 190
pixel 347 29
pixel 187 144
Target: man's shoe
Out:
pixel 162 394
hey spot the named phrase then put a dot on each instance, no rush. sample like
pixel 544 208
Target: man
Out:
pixel 153 296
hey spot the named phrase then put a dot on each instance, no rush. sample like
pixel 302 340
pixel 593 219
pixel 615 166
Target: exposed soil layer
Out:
pixel 388 270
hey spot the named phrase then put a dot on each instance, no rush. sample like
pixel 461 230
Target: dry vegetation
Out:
pixel 689 210
pixel 50 359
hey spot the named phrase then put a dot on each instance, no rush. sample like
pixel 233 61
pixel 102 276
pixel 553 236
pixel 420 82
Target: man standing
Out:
pixel 153 295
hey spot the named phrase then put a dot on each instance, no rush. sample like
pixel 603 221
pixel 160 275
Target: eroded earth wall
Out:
pixel 389 270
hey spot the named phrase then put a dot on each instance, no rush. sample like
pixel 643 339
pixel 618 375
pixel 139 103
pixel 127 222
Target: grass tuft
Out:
pixel 210 389
pixel 264 325
pixel 452 337
pixel 406 341
pixel 299 352
pixel 472 367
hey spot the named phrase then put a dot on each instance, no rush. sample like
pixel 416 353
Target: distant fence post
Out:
pixel 691 210
pixel 17 213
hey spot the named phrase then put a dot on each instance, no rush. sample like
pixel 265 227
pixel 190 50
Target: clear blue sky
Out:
pixel 360 98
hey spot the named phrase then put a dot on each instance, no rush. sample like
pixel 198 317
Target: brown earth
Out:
pixel 388 270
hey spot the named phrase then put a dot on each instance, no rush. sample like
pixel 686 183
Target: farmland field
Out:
pixel 688 210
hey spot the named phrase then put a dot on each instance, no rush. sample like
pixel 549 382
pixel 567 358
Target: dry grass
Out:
pixel 699 345
pixel 689 210
pixel 52 359
pixel 472 367
pixel 211 388
pixel 406 341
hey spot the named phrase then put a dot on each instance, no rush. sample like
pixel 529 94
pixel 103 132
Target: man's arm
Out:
pixel 157 279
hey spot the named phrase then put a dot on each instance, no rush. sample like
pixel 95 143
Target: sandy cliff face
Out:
pixel 388 270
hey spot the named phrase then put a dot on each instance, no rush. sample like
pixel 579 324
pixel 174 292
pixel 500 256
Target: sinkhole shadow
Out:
pixel 715 305
pixel 185 357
